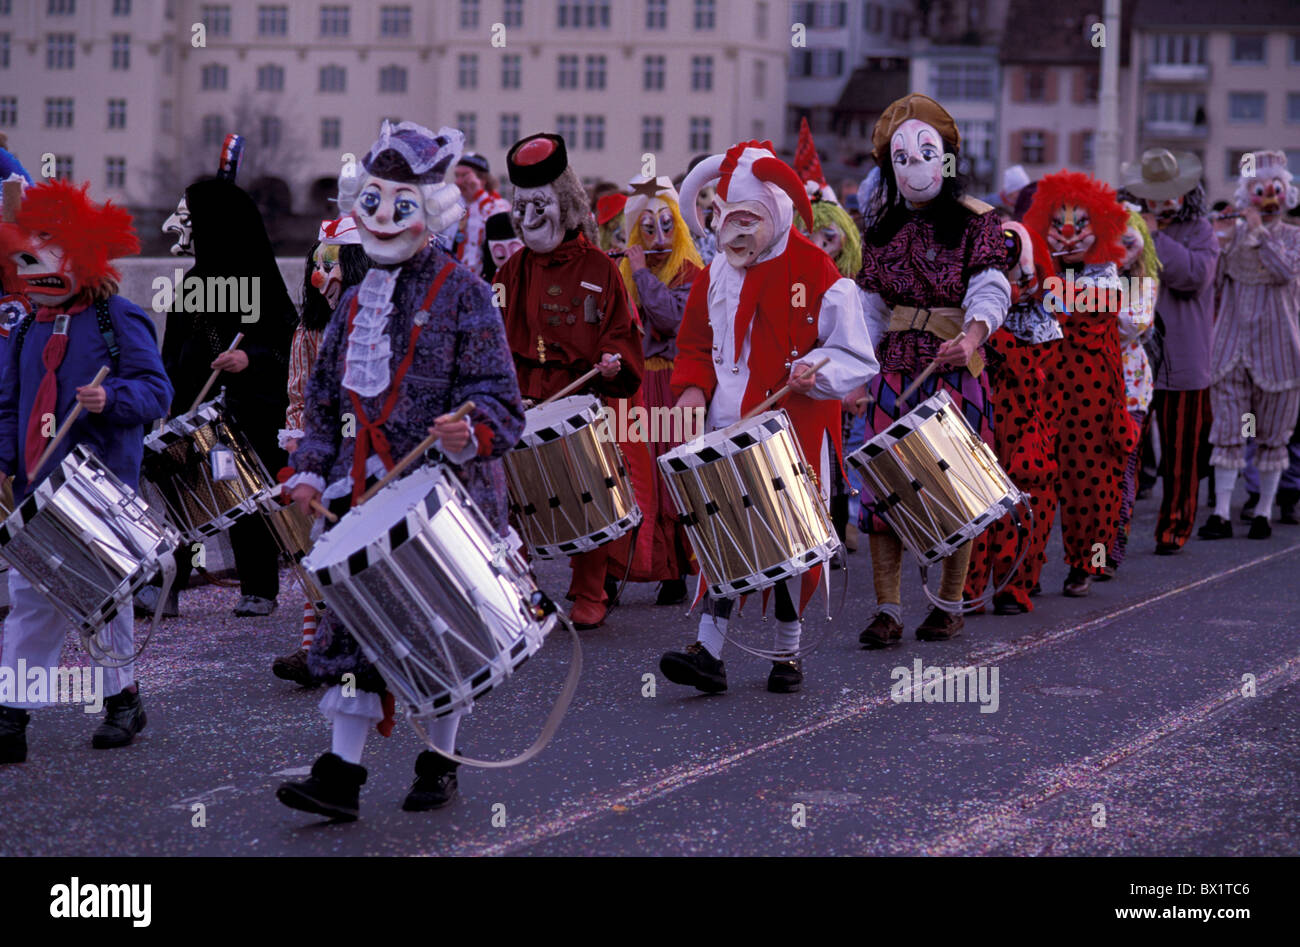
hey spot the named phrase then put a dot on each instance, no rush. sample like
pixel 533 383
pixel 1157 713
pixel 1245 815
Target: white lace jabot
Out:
pixel 369 348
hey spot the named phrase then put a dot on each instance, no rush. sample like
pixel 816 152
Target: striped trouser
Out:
pixel 1182 417
pixel 1236 397
pixel 1128 494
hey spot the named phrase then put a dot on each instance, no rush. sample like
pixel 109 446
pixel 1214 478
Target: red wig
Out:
pixel 1108 219
pixel 89 234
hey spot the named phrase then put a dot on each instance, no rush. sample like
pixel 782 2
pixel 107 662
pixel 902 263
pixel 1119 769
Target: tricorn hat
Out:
pixel 1162 174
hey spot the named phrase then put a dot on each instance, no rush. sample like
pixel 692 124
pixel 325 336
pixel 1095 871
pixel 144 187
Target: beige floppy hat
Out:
pixel 1162 174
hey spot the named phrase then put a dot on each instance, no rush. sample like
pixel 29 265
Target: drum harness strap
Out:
pixel 102 318
pixel 371 434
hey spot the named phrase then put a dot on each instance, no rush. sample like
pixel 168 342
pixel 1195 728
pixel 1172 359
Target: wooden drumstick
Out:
pixel 212 379
pixel 416 453
pixel 929 370
pixel 862 402
pixel 323 510
pixel 575 384
pixel 65 427
pixel 763 406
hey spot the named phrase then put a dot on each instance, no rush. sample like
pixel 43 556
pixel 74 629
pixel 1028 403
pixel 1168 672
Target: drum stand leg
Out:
pixel 1023 532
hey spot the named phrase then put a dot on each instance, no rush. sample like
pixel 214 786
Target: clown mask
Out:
pixel 745 230
pixel 327 275
pixel 829 239
pixel 1132 243
pixel 1165 211
pixel 916 150
pixel 179 224
pixel 1266 196
pixel 391 220
pixel 704 201
pixel 656 226
pixel 502 250
pixel 1070 235
pixel 44 272
pixel 536 214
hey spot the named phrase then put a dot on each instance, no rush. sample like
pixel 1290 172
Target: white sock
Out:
pixel 889 608
pixel 1268 483
pixel 350 733
pixel 711 634
pixel 787 636
pixel 1225 479
pixel 443 732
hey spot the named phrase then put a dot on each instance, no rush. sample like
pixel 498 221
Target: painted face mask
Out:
pixel 745 230
pixel 656 223
pixel 1224 223
pixel 503 250
pixel 917 152
pixel 1132 242
pixel 829 239
pixel 536 212
pixel 1266 196
pixel 1166 211
pixel 1070 236
pixel 45 272
pixel 327 275
pixel 704 201
pixel 390 218
pixel 179 224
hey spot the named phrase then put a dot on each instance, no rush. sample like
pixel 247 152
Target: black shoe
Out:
pixel 1216 527
pixel 293 667
pixel 1107 571
pixel 13 735
pixel 671 592
pixel 1078 583
pixel 146 601
pixel 124 719
pixel 1248 511
pixel 1004 604
pixel 1036 590
pixel 1259 528
pixel 333 789
pixel 611 591
pixel 940 626
pixel 1287 500
pixel 883 632
pixel 785 677
pixel 1168 549
pixel 435 783
pixel 695 667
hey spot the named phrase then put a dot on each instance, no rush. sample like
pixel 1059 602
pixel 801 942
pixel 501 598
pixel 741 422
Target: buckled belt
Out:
pixel 946 322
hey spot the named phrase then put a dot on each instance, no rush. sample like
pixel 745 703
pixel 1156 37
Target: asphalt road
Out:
pixel 1121 728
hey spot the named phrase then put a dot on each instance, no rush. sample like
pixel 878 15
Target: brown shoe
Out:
pixel 587 615
pixel 940 626
pixel 882 632
pixel 1078 583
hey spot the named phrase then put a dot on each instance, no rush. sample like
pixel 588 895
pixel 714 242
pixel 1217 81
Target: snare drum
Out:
pixel 750 505
pixel 292 530
pixel 933 480
pixel 441 605
pixel 86 541
pixel 179 461
pixel 569 489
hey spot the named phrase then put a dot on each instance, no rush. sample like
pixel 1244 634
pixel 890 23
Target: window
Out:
pixel 701 73
pixel 706 14
pixel 958 80
pixel 467 71
pixel 656 14
pixel 760 19
pixel 1088 149
pixel 566 126
pixel 61 7
pixel 8 111
pixel 115 172
pixel 59 50
pixel 1091 79
pixel 63 167
pixel 595 72
pixel 4 50
pixel 334 21
pixel 214 77
pixel 1181 108
pixel 333 79
pixel 1178 49
pixel 760 79
pixel 469 14
pixel 655 69
pixel 216 19
pixel 575 14
pixel 271 131
pixel 900 25
pixel 593 132
pixel 272 21
pixel 121 7
pixel 214 130
pixel 58 113
pixel 395 21
pixel 117 113
pixel 120 56
pixel 1035 85
pixel 509 129
pixel 1295 54
pixel 392 79
pixel 701 133
pixel 568 75
pixel 166 112
pixel 331 132
pixel 467 122
pixel 652 133
pixel 1246 106
pixel 822 63
pixel 825 15
pixel 1248 48
pixel 513 14
pixel 1293 107
pixel 6 7
pixel 511 71
pixel 1033 147
pixel 270 78
pixel 874 15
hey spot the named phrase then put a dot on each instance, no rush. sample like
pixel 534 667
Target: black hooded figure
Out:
pixel 230 240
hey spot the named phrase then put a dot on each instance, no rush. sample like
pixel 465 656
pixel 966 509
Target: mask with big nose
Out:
pixel 536 213
pixel 45 273
pixel 745 230
pixel 656 226
pixel 327 275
